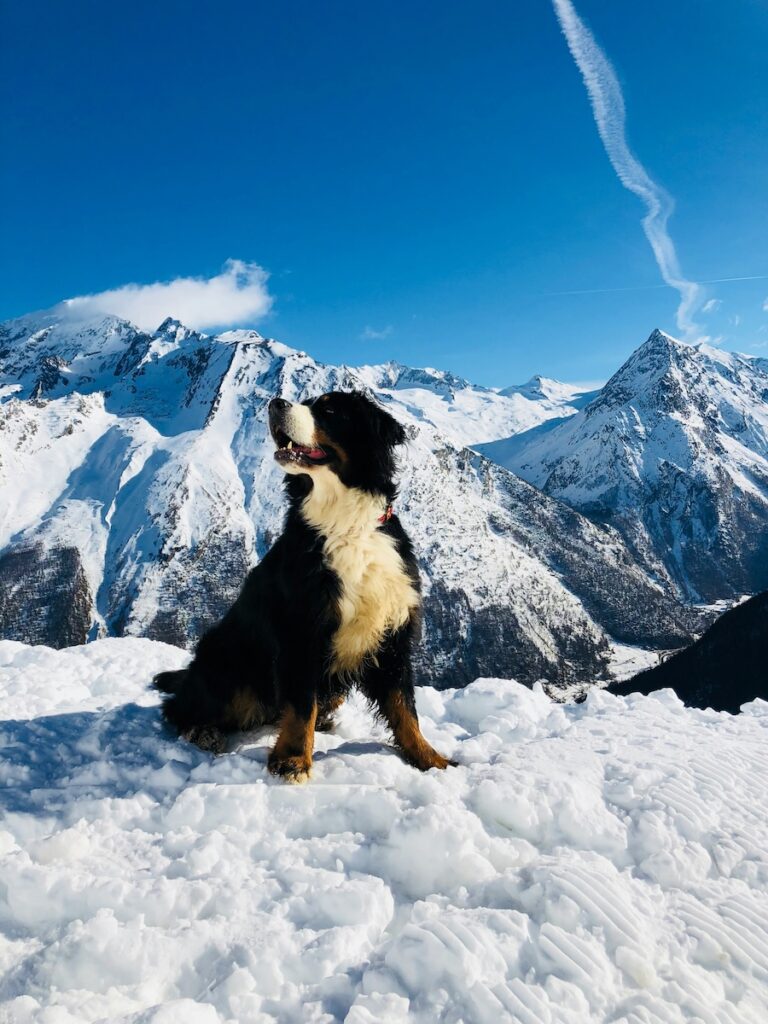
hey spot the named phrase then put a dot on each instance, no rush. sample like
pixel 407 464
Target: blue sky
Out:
pixel 422 181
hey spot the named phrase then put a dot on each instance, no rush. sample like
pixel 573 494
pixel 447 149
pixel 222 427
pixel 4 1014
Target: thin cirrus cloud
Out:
pixel 608 109
pixel 238 295
pixel 711 306
pixel 372 334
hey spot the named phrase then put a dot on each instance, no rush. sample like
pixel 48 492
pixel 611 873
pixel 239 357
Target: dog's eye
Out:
pixel 331 409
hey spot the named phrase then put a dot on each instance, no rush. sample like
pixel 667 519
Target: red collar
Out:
pixel 387 514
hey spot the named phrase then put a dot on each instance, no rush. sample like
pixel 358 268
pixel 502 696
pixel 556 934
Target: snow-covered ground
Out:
pixel 627 661
pixel 599 862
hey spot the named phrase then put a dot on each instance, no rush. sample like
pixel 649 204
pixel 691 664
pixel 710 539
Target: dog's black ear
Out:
pixel 391 432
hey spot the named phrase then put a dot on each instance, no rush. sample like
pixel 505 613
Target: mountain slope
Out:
pixel 140 487
pixel 723 669
pixel 674 453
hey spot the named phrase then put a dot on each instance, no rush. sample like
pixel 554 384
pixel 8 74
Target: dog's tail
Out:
pixel 170 682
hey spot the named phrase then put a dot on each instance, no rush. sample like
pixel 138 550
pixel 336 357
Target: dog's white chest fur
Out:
pixel 376 593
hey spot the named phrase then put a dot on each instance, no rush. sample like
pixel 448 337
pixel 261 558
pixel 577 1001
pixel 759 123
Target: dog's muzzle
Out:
pixel 293 430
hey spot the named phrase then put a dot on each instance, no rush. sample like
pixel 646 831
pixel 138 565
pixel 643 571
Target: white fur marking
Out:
pixel 299 425
pixel 376 593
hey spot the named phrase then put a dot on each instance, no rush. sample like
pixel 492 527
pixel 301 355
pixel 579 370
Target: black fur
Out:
pixel 268 659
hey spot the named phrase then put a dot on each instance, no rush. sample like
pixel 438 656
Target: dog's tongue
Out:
pixel 311 453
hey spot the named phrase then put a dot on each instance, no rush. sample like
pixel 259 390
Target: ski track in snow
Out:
pixel 597 862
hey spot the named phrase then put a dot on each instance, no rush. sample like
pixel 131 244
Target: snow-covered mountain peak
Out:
pixel 660 339
pixel 666 376
pixel 397 376
pixel 174 329
pixel 658 353
pixel 545 388
pixel 244 335
pixel 674 450
pixel 145 487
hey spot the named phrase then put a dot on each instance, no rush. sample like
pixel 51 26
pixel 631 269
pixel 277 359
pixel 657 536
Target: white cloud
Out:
pixel 765 305
pixel 610 117
pixel 238 295
pixel 711 305
pixel 371 334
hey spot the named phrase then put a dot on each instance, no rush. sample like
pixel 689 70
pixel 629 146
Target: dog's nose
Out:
pixel 278 404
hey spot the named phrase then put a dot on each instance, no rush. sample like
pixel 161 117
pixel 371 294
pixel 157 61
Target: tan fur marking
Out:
pixel 291 755
pixel 246 711
pixel 408 736
pixel 325 713
pixel 329 706
pixel 324 441
pixel 376 593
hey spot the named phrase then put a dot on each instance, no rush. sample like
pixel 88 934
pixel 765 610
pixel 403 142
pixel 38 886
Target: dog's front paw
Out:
pixel 293 769
pixel 427 758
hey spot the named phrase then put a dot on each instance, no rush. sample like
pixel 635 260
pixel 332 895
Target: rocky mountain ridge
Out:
pixel 139 487
pixel 672 452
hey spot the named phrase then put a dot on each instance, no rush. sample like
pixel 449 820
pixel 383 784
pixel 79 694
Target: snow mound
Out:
pixel 607 861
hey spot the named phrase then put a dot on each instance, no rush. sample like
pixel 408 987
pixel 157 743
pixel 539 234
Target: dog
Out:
pixel 335 603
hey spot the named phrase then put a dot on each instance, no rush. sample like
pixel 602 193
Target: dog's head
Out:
pixel 343 432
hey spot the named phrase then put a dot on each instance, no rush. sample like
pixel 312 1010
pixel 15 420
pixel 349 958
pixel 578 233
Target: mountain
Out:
pixel 723 669
pixel 561 398
pixel 673 452
pixel 138 488
pixel 467 414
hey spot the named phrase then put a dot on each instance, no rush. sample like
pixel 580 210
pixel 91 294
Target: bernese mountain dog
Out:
pixel 335 603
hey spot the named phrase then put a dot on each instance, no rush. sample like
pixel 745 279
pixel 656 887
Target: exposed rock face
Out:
pixel 462 643
pixel 148 456
pixel 44 596
pixel 673 452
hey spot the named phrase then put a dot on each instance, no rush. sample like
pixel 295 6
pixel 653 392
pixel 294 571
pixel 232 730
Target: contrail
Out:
pixel 608 110
pixel 653 287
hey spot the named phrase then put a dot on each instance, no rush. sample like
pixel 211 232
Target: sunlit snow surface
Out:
pixel 600 862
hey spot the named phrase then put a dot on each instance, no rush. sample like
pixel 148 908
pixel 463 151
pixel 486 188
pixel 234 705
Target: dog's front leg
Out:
pixel 399 710
pixel 389 683
pixel 291 756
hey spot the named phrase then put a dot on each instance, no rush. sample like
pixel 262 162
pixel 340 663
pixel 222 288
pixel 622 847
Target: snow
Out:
pixel 674 453
pixel 467 414
pixel 149 465
pixel 598 862
pixel 627 660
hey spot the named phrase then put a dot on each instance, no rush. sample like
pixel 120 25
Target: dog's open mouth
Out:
pixel 290 451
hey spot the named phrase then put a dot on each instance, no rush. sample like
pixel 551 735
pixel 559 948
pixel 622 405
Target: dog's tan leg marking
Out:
pixel 246 711
pixel 291 755
pixel 325 721
pixel 408 736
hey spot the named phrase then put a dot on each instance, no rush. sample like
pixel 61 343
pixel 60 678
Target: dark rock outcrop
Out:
pixel 44 596
pixel 723 669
